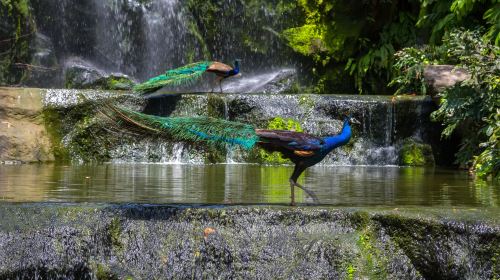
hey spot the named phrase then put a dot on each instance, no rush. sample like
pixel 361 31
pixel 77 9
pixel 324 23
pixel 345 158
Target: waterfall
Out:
pixel 375 141
pixel 140 38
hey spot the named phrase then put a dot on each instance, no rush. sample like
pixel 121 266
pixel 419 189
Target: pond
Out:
pixel 243 184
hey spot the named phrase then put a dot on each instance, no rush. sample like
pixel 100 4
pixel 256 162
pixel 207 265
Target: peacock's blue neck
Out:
pixel 236 69
pixel 338 140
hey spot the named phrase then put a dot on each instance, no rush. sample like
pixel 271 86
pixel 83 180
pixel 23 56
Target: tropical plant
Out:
pixel 470 108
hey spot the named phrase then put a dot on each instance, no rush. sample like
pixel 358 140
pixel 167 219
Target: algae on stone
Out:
pixel 413 153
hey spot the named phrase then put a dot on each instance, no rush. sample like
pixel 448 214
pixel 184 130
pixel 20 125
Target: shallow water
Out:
pixel 243 184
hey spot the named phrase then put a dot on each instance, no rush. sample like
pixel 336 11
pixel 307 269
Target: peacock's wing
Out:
pixel 175 77
pixel 301 144
pixel 188 129
pixel 219 68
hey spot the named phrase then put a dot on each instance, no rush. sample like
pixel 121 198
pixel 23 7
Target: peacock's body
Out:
pixel 188 74
pixel 302 149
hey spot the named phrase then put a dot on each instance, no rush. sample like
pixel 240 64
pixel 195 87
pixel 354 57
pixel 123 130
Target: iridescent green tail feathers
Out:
pixel 184 75
pixel 188 129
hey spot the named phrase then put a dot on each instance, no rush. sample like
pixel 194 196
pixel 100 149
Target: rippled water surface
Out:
pixel 242 184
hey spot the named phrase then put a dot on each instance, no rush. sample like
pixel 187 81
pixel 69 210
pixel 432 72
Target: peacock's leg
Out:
pixel 309 192
pixel 220 84
pixel 293 180
pixel 215 81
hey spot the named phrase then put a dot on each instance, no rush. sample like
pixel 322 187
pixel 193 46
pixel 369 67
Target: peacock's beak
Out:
pixel 353 120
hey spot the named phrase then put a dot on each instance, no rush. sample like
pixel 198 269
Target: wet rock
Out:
pixel 440 77
pixel 79 74
pixel 385 122
pixel 145 242
pixel 285 81
pixel 280 81
pixel 23 135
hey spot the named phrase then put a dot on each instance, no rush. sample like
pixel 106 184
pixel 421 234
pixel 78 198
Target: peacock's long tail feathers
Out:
pixel 190 129
pixel 180 76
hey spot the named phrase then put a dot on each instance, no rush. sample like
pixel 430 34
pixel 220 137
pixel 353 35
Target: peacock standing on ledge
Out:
pixel 187 74
pixel 302 149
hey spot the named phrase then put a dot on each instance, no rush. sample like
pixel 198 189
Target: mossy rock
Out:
pixel 280 124
pixel 81 75
pixel 117 82
pixel 413 153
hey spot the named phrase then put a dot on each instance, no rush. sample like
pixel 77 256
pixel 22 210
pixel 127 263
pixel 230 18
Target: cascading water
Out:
pixel 138 38
pixel 141 39
pixel 144 38
pixel 375 141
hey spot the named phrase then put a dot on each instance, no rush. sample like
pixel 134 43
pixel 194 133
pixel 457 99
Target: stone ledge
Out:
pixel 23 135
pixel 145 241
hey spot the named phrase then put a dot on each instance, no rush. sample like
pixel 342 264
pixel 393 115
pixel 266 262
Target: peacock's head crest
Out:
pixel 349 119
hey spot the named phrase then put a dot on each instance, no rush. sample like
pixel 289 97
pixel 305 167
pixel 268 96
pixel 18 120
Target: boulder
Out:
pixel 440 77
pixel 80 74
pixel 280 81
pixel 23 135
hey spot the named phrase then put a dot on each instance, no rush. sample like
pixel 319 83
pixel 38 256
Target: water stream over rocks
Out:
pixel 387 123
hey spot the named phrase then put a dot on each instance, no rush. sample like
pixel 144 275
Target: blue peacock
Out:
pixel 188 74
pixel 304 150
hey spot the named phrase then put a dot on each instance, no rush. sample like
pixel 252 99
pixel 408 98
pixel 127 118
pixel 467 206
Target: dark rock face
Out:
pixel 16 32
pixel 45 71
pixel 145 242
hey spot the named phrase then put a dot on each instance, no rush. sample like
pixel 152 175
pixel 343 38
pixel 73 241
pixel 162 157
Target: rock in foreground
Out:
pixel 146 242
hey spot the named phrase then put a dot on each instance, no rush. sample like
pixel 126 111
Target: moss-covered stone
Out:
pixel 413 153
pixel 52 119
pixel 80 75
pixel 117 82
pixel 104 273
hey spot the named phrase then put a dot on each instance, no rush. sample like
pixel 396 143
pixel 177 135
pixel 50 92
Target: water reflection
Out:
pixel 240 183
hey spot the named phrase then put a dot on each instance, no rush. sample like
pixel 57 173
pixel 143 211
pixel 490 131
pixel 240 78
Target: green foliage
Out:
pixel 362 38
pixel 488 161
pixel 471 107
pixel 306 40
pixel 242 28
pixel 409 69
pixel 492 17
pixel 440 16
pixel 16 30
pixel 279 123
